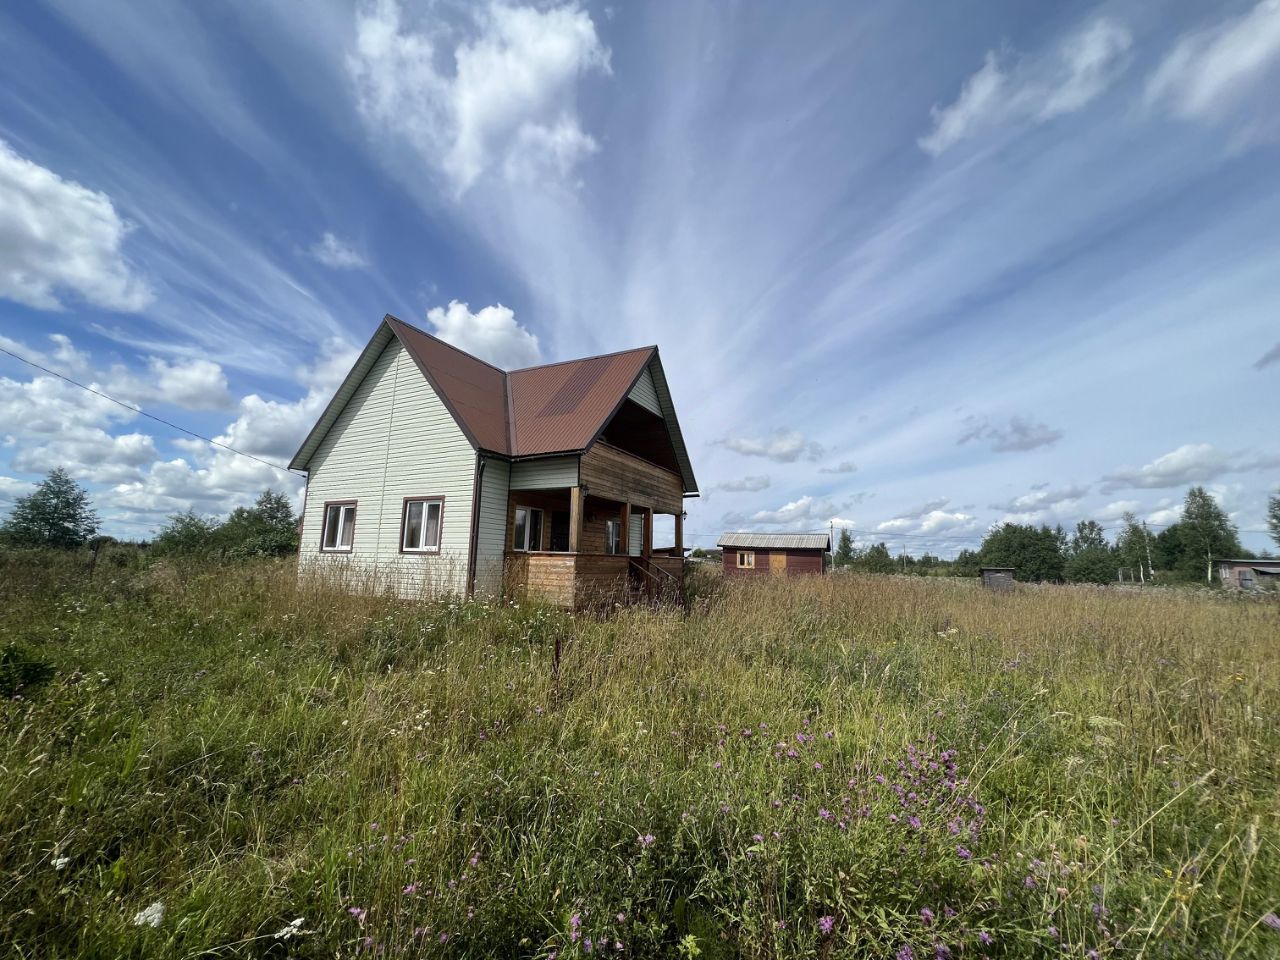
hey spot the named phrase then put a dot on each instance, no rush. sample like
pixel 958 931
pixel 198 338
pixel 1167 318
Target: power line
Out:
pixel 130 407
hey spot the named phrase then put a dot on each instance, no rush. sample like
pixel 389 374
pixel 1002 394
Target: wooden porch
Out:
pixel 591 544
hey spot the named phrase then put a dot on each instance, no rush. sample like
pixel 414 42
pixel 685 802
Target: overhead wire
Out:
pixel 151 416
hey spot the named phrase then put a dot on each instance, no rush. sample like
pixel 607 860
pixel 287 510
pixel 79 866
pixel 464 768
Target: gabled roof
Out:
pixel 775 541
pixel 555 408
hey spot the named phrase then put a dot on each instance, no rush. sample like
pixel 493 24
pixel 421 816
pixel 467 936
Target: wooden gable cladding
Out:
pixel 612 473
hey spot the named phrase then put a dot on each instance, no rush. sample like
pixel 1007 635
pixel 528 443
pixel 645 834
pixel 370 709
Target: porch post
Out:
pixel 575 519
pixel 679 534
pixel 626 529
pixel 647 548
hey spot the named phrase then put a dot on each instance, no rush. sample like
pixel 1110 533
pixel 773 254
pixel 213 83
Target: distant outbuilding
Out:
pixel 997 578
pixel 781 554
pixel 1248 574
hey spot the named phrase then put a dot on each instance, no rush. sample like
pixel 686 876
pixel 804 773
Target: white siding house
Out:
pixel 434 473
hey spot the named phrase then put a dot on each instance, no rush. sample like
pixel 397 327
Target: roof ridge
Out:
pixel 594 356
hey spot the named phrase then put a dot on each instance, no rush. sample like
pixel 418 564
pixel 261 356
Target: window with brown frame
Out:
pixel 526 533
pixel 420 524
pixel 338 531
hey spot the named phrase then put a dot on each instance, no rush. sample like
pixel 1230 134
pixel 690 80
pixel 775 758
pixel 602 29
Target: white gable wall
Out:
pixel 645 393
pixel 394 439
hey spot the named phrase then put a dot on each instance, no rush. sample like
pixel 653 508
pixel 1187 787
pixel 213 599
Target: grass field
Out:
pixel 215 763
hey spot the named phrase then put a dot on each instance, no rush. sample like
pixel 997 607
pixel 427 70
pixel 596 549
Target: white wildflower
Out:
pixel 291 929
pixel 60 863
pixel 150 916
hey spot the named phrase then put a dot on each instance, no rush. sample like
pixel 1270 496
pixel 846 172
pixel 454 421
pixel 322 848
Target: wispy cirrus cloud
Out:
pixel 781 446
pixel 1010 88
pixel 748 484
pixel 1214 68
pixel 336 254
pixel 844 466
pixel 1015 435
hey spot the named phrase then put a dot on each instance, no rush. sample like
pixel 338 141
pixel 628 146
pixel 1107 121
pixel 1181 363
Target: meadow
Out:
pixel 204 761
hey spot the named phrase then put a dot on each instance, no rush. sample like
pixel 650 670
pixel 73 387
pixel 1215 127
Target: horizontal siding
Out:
pixel 645 393
pixel 394 439
pixel 491 530
pixel 548 473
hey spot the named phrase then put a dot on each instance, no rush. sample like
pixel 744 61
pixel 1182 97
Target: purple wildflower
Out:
pixel 358 912
pixel 410 889
pixel 985 938
pixel 826 924
pixel 906 953
pixel 927 916
pixel 1272 921
pixel 963 853
pixel 647 840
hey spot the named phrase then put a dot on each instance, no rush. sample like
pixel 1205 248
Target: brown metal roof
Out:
pixel 553 408
pixel 563 406
pixel 537 411
pixel 474 391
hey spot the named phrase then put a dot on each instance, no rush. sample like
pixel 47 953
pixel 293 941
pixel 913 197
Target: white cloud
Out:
pixel 89 453
pixel 782 446
pixel 11 488
pixel 491 334
pixel 191 384
pixel 930 517
pixel 1116 509
pixel 1018 434
pixel 336 254
pixel 844 466
pixel 749 484
pixel 804 513
pixel 58 237
pixel 510 103
pixel 1189 464
pixel 1042 497
pixel 1213 68
pixel 1009 88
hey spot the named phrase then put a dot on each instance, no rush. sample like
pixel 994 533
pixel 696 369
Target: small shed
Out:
pixel 1248 574
pixel 997 578
pixel 780 554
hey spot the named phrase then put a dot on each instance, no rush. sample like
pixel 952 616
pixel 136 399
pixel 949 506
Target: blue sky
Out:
pixel 913 268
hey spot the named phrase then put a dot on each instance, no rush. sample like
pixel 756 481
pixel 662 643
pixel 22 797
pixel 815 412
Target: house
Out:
pixel 781 554
pixel 432 472
pixel 1248 574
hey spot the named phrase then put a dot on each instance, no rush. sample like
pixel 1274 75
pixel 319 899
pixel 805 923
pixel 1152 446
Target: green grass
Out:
pixel 246 753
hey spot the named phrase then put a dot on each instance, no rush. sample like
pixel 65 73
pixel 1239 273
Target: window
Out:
pixel 613 536
pixel 339 526
pixel 528 530
pixel 747 559
pixel 420 525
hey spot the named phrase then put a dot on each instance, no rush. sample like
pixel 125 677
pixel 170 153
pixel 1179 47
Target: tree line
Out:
pixel 58 514
pixel 1182 552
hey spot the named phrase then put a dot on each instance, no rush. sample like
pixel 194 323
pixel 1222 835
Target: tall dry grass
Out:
pixel 851 767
